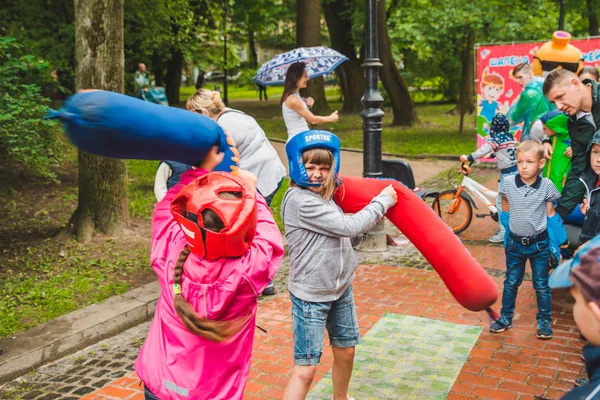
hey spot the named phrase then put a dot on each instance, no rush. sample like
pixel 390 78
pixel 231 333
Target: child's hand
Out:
pixel 309 101
pixel 334 116
pixel 464 158
pixel 569 152
pixel 212 159
pixel 584 206
pixel 248 176
pixel 392 192
pixel 547 151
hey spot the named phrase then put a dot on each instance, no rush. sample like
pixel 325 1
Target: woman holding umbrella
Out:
pixel 295 109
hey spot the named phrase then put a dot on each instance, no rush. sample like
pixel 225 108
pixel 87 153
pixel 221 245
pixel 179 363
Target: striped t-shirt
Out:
pixel 528 214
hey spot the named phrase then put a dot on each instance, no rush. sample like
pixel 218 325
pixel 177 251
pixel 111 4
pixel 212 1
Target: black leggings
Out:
pixel 148 395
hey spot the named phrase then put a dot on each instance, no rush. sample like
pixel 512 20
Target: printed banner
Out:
pixel 496 88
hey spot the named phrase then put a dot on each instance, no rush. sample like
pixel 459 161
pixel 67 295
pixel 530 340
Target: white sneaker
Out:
pixel 497 238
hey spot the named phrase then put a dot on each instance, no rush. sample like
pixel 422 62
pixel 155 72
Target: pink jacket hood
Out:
pixel 176 364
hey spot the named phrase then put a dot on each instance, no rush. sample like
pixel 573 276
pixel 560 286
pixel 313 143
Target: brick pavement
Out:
pixel 512 365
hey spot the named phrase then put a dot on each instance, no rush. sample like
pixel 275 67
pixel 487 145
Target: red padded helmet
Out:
pixel 238 215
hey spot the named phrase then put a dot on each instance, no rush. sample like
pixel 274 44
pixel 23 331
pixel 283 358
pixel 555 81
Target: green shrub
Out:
pixel 24 136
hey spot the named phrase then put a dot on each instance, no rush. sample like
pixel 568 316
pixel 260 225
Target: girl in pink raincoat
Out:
pixel 215 247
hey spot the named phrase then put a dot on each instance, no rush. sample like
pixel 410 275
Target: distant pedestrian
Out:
pixel 262 90
pixel 215 246
pixel 200 81
pixel 296 109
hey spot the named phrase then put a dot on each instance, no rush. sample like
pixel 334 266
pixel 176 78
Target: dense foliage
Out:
pixel 24 136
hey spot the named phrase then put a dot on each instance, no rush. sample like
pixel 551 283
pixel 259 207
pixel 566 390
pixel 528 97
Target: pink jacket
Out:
pixel 176 364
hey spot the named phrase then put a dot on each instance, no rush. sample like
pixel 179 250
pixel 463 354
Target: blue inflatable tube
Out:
pixel 575 218
pixel 114 125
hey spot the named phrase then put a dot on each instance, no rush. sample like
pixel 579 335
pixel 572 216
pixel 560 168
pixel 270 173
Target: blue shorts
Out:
pixel 309 320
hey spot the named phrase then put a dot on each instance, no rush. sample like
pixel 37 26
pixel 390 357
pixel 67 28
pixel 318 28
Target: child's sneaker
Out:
pixel 544 331
pixel 497 238
pixel 500 325
pixel 269 290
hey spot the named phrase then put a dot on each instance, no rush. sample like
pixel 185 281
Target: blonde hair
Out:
pixel 323 157
pixel 206 101
pixel 531 146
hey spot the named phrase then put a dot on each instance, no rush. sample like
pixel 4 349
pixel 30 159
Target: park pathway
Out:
pixel 418 342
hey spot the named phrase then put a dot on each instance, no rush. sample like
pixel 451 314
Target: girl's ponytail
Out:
pixel 217 331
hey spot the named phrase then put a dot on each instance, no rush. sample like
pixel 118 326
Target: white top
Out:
pixel 257 155
pixel 163 173
pixel 294 122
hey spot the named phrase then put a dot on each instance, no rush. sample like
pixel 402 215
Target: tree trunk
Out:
pixel 252 57
pixel 350 74
pixel 402 105
pixel 173 79
pixel 592 10
pixel 100 61
pixel 308 34
pixel 466 100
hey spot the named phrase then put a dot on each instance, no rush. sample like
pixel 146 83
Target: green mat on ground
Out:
pixel 404 357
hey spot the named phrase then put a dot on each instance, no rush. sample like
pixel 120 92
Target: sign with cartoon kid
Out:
pixel 497 89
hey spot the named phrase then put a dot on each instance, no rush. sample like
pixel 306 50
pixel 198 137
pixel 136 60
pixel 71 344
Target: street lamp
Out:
pixel 372 115
pixel 372 100
pixel 561 16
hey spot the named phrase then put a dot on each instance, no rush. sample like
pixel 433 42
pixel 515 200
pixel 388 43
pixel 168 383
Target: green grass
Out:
pixel 64 281
pixel 435 133
pixel 236 92
pixel 141 174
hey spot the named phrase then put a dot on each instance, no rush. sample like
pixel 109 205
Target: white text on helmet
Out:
pixel 310 138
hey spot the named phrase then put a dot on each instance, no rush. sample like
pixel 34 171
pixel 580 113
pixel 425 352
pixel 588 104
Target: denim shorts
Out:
pixel 309 320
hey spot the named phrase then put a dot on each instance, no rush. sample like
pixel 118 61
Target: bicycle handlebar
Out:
pixel 465 170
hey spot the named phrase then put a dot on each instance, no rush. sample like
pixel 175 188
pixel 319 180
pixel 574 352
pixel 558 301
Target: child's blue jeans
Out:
pixel 499 198
pixel 516 256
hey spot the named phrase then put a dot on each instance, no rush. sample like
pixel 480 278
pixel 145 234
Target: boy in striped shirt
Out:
pixel 528 197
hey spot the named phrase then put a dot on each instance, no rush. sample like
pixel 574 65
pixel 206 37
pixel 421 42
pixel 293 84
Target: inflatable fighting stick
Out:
pixel 114 125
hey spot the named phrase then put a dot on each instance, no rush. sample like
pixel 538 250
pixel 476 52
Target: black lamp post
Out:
pixel 225 99
pixel 561 16
pixel 372 114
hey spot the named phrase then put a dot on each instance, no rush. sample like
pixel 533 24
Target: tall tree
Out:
pixel 100 58
pixel 592 15
pixel 338 14
pixel 308 34
pixel 402 105
pixel 466 100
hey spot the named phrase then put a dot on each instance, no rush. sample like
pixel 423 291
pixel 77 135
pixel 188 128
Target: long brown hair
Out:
pixel 293 75
pixel 319 156
pixel 217 331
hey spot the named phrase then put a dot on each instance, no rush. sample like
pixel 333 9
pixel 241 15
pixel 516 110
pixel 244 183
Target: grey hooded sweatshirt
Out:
pixel 322 261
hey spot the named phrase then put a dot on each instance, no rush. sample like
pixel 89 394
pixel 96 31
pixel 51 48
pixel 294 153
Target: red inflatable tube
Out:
pixel 468 282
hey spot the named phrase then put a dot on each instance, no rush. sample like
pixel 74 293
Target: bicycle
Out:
pixel 455 206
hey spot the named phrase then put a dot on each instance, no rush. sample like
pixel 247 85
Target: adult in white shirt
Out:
pixel 295 109
pixel 257 155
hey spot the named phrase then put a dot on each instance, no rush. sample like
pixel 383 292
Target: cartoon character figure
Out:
pixel 557 53
pixel 492 87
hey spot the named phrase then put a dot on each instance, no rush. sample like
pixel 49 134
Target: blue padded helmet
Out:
pixel 305 141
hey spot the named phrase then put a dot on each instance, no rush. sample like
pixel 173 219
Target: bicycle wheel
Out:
pixel 456 212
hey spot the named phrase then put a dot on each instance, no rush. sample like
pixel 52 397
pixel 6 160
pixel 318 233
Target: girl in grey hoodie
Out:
pixel 322 268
